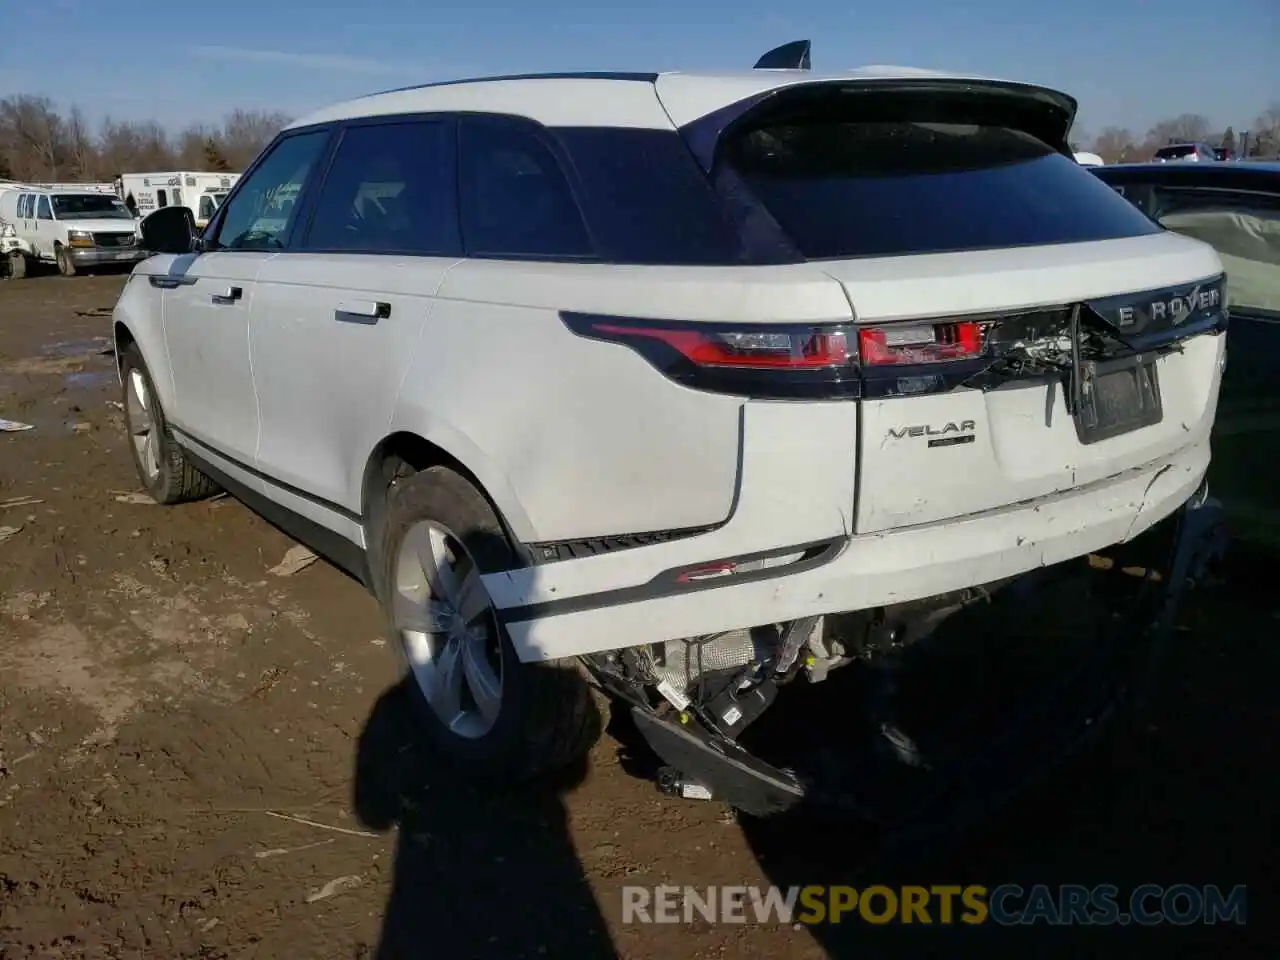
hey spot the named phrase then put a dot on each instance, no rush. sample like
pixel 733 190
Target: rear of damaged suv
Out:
pixel 935 354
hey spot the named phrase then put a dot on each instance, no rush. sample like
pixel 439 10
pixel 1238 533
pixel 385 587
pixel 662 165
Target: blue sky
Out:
pixel 1129 62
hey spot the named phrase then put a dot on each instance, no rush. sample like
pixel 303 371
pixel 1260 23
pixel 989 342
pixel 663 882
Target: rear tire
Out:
pixel 66 266
pixel 499 719
pixel 162 467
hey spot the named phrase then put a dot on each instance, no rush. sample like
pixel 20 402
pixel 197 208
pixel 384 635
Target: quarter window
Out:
pixel 262 212
pixel 43 211
pixel 390 188
pixel 515 199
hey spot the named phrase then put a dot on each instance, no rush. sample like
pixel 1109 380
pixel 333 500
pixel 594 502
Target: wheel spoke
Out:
pixel 471 602
pixel 428 546
pixel 140 414
pixel 440 573
pixel 439 605
pixel 150 454
pixel 448 685
pixel 419 615
pixel 482 680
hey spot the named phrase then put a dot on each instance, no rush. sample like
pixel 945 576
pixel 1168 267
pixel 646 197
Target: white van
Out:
pixel 77 230
pixel 201 193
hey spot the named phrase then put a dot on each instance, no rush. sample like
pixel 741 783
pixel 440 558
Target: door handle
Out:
pixel 230 295
pixel 169 282
pixel 362 311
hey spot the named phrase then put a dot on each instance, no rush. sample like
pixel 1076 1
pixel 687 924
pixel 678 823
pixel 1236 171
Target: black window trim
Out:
pixel 307 213
pixel 214 227
pixel 307 202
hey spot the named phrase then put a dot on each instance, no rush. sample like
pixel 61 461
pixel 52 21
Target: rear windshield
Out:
pixel 842 188
pixel 1175 153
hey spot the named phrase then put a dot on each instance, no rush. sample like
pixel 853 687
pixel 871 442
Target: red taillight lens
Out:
pixel 915 343
pixel 800 350
pixel 765 361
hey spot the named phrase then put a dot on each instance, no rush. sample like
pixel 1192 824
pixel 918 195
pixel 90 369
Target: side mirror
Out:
pixel 169 230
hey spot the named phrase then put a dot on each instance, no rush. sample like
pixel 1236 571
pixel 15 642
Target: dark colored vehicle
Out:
pixel 1222 153
pixel 1185 152
pixel 1236 208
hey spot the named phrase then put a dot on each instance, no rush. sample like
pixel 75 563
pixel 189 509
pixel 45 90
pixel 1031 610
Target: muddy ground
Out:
pixel 199 758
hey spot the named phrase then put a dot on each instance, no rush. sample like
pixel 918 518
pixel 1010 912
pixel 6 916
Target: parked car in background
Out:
pixel 1222 153
pixel 1236 208
pixel 14 252
pixel 1185 153
pixel 73 229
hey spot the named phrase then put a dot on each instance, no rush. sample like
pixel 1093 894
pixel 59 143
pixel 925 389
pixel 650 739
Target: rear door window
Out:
pixel 390 189
pixel 515 199
pixel 853 188
pixel 1245 230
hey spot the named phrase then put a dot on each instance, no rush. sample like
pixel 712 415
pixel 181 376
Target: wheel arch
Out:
pixel 136 323
pixel 406 451
pixel 124 339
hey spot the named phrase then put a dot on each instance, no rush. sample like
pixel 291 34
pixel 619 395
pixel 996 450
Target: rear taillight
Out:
pixel 917 343
pixel 769 360
pixel 776 361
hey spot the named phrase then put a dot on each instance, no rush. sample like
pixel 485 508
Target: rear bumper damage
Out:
pixel 705 762
pixel 852 573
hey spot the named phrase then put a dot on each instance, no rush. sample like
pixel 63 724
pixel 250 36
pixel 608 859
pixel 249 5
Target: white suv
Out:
pixel 647 374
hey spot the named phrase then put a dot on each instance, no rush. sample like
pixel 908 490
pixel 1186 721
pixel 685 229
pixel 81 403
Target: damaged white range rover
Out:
pixel 638 379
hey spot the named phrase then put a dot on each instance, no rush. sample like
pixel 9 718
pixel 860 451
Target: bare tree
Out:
pixel 33 132
pixel 1229 140
pixel 1188 126
pixel 1266 132
pixel 82 154
pixel 1116 145
pixel 38 143
pixel 246 132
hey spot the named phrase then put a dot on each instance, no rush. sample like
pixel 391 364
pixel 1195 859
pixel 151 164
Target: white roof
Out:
pixel 614 100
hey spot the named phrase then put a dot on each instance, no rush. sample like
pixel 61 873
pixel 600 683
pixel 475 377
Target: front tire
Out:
pixel 162 467
pixel 66 266
pixel 17 265
pixel 500 719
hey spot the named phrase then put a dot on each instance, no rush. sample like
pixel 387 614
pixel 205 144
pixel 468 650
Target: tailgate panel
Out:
pixel 916 468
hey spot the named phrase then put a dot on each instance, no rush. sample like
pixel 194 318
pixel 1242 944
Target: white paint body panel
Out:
pixel 887 568
pixel 315 434
pixel 577 439
pixel 207 344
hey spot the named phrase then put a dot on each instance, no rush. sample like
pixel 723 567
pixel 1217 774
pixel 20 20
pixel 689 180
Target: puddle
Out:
pixel 76 348
pixel 90 379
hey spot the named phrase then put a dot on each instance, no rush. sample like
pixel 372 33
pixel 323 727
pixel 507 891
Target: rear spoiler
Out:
pixel 1039 111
